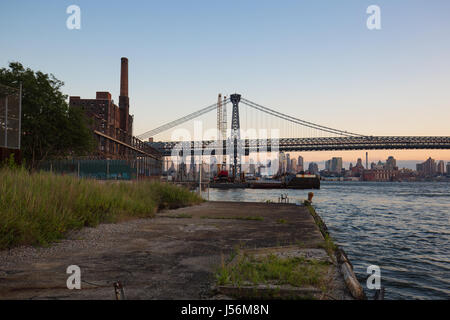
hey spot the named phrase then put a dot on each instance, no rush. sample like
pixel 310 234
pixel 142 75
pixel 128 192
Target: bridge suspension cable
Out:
pixel 299 121
pixel 255 106
pixel 179 121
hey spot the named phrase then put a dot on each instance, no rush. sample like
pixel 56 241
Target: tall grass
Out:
pixel 38 208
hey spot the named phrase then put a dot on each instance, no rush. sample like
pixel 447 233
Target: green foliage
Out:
pixel 329 245
pixel 49 127
pixel 10 163
pixel 39 208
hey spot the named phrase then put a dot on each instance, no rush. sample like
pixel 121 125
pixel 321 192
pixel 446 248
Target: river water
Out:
pixel 403 228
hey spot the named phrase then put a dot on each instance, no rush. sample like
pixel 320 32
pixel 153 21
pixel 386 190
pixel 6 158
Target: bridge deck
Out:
pixel 303 144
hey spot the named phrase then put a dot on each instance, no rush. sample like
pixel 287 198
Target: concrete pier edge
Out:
pixel 342 260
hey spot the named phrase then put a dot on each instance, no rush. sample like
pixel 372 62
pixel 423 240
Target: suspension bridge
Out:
pixel 292 134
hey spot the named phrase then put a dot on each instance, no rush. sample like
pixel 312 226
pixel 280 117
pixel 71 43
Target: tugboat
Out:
pixel 289 181
pixel 224 181
pixel 302 181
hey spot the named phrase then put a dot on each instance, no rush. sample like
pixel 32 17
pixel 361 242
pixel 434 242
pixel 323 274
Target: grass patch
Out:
pixel 271 269
pixel 282 221
pixel 39 208
pixel 256 218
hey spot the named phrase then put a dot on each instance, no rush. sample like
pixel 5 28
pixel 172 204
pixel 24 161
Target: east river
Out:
pixel 403 228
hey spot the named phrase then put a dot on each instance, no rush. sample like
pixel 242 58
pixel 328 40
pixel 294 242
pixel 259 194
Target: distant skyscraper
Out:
pixel 367 160
pixel 336 165
pixel 328 165
pixel 441 168
pixel 391 163
pixel 359 163
pixel 288 162
pixel 282 162
pixel 448 168
pixel 427 168
pixel 294 165
pixel 313 168
pixel 300 164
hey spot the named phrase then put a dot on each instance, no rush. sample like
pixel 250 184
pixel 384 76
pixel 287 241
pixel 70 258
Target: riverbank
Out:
pixel 182 254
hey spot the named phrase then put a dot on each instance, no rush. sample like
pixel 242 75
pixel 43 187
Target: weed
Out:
pixel 296 271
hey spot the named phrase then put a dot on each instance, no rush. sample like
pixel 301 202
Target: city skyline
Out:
pixel 406 158
pixel 321 162
pixel 320 61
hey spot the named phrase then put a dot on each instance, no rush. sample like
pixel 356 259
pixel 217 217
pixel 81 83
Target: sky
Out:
pixel 315 60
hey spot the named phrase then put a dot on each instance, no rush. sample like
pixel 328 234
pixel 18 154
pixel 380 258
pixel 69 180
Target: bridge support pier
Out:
pixel 236 137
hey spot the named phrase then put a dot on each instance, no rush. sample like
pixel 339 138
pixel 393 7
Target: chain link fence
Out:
pixel 141 168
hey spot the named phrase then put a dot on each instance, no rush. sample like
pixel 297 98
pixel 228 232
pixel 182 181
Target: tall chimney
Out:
pixel 367 160
pixel 124 101
pixel 124 77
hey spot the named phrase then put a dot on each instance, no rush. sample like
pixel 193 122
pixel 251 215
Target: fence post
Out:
pixel 137 169
pixel 20 113
pixel 200 177
pixel 6 121
pixel 78 168
pixel 107 169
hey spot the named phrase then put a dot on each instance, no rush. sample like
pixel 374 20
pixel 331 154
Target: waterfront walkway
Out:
pixel 172 256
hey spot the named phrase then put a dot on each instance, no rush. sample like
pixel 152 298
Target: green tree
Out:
pixel 50 129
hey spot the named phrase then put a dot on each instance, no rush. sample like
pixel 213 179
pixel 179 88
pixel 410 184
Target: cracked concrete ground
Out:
pixel 172 256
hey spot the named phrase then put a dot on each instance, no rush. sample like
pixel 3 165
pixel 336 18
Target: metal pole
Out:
pixel 20 113
pixel 78 168
pixel 200 177
pixel 6 122
pixel 209 178
pixel 137 169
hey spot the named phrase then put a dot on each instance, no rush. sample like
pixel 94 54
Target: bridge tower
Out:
pixel 236 136
pixel 224 130
pixel 219 117
pixel 220 135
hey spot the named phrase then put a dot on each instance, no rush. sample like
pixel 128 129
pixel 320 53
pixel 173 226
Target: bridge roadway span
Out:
pixel 305 144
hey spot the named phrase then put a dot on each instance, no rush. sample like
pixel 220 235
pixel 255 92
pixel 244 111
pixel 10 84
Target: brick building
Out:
pixel 379 175
pixel 113 124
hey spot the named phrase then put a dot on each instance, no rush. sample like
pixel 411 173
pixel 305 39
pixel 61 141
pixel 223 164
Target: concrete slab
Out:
pixel 172 256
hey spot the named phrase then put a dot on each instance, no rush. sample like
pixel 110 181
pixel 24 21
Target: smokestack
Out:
pixel 124 101
pixel 367 160
pixel 124 77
